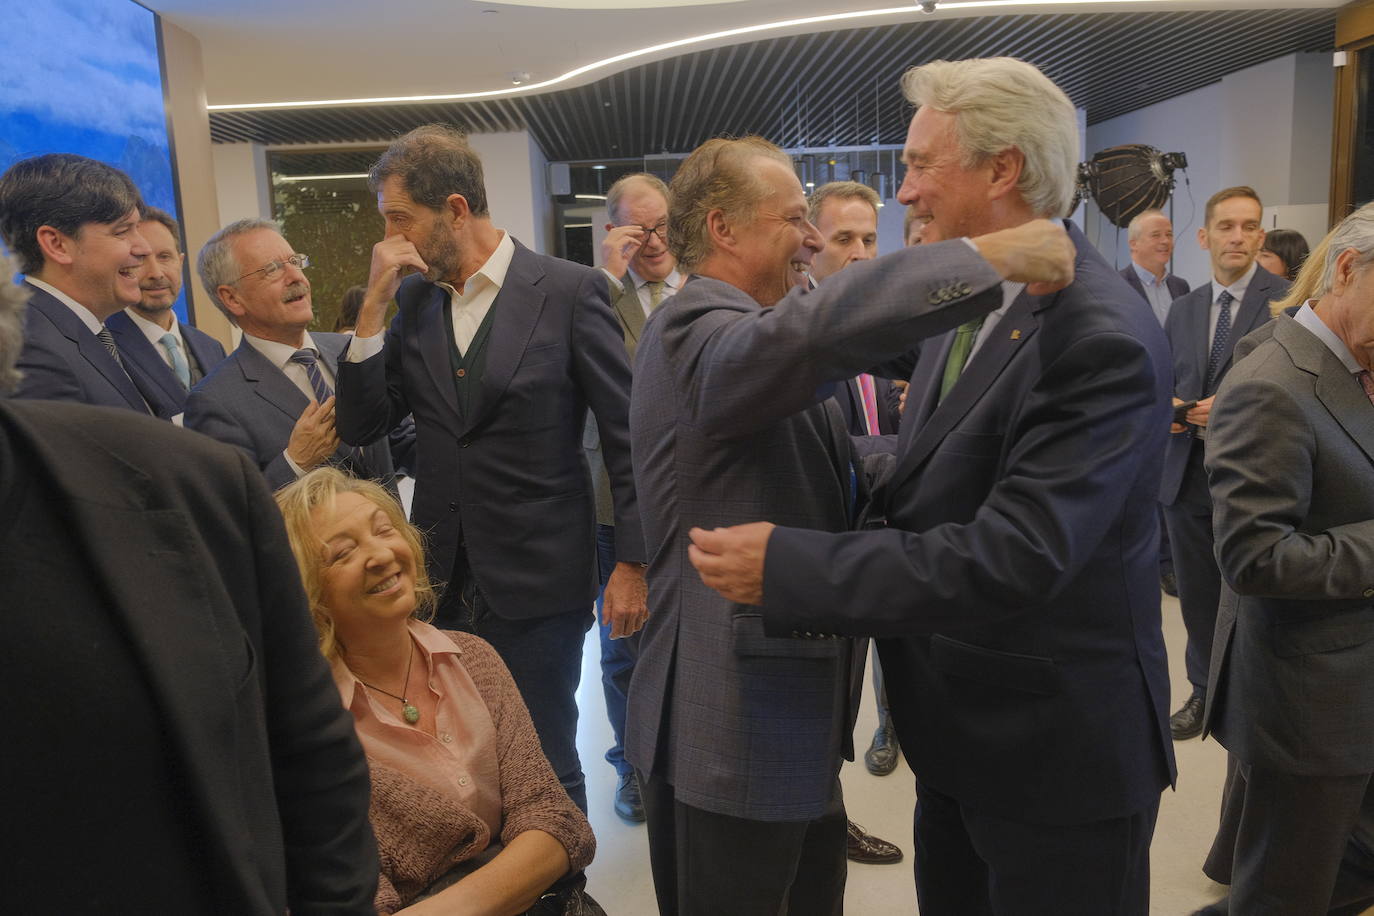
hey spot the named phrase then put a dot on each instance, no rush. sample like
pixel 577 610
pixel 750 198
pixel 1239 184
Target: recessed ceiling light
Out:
pixel 599 168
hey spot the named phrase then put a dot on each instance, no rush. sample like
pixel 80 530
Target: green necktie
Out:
pixel 655 293
pixel 958 354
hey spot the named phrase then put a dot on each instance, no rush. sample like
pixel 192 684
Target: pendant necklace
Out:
pixel 408 710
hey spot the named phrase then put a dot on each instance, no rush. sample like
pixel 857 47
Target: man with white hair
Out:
pixel 1016 583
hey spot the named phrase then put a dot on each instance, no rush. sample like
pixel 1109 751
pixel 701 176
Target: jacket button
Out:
pixel 965 289
pixel 453 507
pixel 464 442
pixel 1369 593
pixel 462 373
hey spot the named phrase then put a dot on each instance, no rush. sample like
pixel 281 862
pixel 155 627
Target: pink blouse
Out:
pixel 460 759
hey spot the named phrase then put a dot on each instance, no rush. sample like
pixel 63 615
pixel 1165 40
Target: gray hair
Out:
pixel 216 263
pixel 13 300
pixel 1137 223
pixel 1001 103
pixel 840 190
pixel 1355 231
pixel 622 186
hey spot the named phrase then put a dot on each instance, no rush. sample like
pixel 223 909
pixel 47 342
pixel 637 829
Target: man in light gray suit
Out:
pixel 738 736
pixel 273 397
pixel 1290 462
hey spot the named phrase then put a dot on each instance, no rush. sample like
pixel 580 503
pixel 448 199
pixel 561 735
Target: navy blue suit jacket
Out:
pixel 1187 330
pixel 250 403
pixel 1018 581
pixel 1177 285
pixel 63 361
pixel 150 371
pixel 509 481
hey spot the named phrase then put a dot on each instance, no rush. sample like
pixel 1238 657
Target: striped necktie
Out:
pixel 108 340
pixel 869 395
pixel 312 371
pixel 1367 383
pixel 1220 337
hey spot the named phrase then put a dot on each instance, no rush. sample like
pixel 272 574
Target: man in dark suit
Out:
pixel 1150 236
pixel 73 222
pixel 273 397
pixel 1290 457
pixel 642 274
pixel 168 355
pixel 1203 327
pixel 1016 582
pixel 498 352
pixel 152 600
pixel 738 735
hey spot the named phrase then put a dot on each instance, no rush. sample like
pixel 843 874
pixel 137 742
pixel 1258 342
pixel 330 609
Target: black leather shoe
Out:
pixel 1169 583
pixel 865 848
pixel 881 756
pixel 1187 722
pixel 627 802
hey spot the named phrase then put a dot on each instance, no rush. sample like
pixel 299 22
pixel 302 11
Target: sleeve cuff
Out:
pixel 361 348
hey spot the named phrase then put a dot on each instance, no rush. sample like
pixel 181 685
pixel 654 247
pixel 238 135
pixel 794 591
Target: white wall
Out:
pixel 516 195
pixel 242 183
pixel 1268 126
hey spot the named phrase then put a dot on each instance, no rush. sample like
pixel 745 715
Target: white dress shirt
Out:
pixel 1156 292
pixel 80 311
pixel 1308 319
pixel 671 284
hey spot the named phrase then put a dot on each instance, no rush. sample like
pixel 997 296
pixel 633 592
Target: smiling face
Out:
pixel 105 260
pixel 1233 237
pixel 274 307
pixel 367 567
pixel 645 207
pixel 849 226
pixel 950 199
pixel 775 250
pixel 1153 244
pixel 159 280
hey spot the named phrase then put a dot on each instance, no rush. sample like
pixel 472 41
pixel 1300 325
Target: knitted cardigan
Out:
pixel 422 833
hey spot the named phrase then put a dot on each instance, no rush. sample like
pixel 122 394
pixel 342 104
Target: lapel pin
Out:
pixel 1015 333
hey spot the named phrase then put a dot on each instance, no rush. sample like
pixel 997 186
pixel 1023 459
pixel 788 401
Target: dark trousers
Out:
pixel 973 864
pixel 880 689
pixel 707 864
pixel 1199 582
pixel 1289 844
pixel 1166 558
pixel 617 656
pixel 544 656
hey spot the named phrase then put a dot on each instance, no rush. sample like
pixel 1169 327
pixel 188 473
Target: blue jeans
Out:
pixel 544 656
pixel 617 656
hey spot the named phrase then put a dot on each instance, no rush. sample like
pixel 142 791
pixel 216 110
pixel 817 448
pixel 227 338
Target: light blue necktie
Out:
pixel 179 366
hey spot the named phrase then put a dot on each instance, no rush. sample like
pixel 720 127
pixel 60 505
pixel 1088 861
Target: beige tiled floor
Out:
pixel 619 878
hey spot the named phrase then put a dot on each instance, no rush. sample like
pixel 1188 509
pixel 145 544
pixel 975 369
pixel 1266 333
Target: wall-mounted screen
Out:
pixel 85 76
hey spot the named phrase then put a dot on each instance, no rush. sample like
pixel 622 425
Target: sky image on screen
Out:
pixel 82 76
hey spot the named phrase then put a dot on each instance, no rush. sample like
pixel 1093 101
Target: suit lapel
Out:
pixel 1006 339
pixel 1338 390
pixel 630 309
pixel 1253 305
pixel 89 346
pixel 435 343
pixel 924 391
pixel 140 356
pixel 269 382
pixel 1201 318
pixel 517 309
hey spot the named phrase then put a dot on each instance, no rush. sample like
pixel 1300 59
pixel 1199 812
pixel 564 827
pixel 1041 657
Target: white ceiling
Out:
pixel 267 51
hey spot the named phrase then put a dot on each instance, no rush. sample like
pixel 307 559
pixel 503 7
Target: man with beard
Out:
pixel 167 354
pixel 152 601
pixel 738 736
pixel 74 224
pixel 273 397
pixel 498 352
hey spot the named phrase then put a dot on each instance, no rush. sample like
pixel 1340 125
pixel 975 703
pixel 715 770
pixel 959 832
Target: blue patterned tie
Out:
pixel 1220 338
pixel 312 371
pixel 179 366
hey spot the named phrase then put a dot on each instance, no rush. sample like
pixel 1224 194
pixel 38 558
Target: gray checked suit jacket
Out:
pixel 250 403
pixel 723 433
pixel 1290 461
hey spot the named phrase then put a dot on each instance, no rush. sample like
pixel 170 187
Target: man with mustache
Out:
pixel 737 736
pixel 73 222
pixel 273 397
pixel 167 354
pixel 1203 327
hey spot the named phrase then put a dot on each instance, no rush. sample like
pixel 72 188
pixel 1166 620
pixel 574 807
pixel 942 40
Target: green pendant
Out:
pixel 410 713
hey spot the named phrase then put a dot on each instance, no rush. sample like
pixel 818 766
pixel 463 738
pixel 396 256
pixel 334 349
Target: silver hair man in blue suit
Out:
pixel 1015 588
pixel 737 734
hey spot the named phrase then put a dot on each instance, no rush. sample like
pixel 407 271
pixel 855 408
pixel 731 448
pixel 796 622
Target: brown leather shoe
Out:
pixel 865 848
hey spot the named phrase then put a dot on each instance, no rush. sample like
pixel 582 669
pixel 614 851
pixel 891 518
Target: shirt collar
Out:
pixel 492 271
pixel 1310 320
pixel 87 317
pixel 430 641
pixel 279 354
pixel 1237 289
pixel 672 281
pixel 151 329
pixel 1148 278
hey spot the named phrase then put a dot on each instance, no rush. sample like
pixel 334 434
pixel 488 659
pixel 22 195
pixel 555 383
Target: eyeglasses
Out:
pixel 272 268
pixel 659 229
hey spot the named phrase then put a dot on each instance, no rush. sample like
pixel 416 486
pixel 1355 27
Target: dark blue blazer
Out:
pixel 63 361
pixel 150 371
pixel 250 403
pixel 509 481
pixel 1177 285
pixel 1018 581
pixel 1186 328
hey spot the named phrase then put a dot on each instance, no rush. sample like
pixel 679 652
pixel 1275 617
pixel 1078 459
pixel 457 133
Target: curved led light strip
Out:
pixel 670 45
